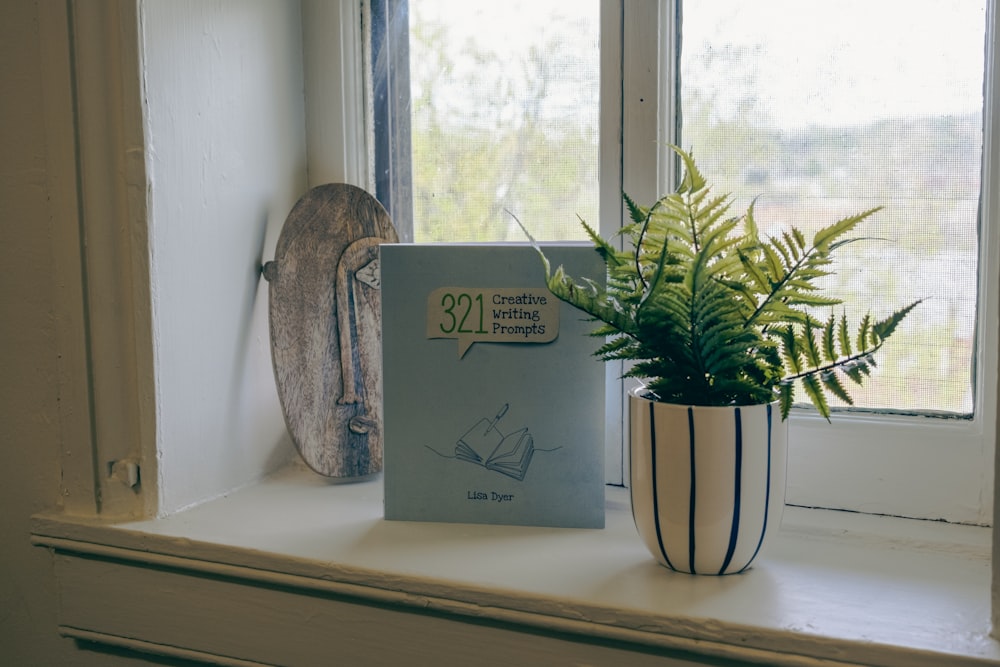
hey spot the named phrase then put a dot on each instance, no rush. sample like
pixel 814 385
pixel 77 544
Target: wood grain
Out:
pixel 325 325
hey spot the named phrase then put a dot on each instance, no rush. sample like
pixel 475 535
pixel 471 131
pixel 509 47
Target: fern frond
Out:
pixel 857 371
pixel 833 385
pixel 594 302
pixel 815 392
pixel 805 298
pixel 827 235
pixel 786 249
pixel 750 229
pixel 885 327
pixel 774 266
pixel 786 397
pixel 808 344
pixel 610 254
pixel 864 333
pixel 614 345
pixel 692 180
pixel 635 212
pixel 800 239
pixel 829 339
pixel 844 336
pixel 790 348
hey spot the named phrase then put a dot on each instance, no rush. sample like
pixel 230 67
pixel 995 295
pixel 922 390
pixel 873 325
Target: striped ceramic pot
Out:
pixel 707 483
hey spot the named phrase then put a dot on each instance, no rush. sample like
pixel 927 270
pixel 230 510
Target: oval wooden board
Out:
pixel 325 322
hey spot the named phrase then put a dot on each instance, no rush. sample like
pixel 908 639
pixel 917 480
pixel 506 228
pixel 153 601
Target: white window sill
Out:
pixel 293 560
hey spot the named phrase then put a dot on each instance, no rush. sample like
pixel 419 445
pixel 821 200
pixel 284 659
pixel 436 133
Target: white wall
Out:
pixel 29 427
pixel 224 181
pixel 226 160
pixel 34 405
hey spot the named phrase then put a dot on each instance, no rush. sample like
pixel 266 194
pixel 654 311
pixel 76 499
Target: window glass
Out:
pixel 828 109
pixel 504 118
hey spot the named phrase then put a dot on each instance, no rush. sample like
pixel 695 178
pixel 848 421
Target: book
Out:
pixel 493 404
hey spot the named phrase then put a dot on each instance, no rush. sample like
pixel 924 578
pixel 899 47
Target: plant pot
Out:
pixel 707 483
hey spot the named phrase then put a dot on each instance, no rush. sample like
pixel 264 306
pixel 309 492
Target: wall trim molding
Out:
pixel 249 587
pixel 237 568
pixel 110 180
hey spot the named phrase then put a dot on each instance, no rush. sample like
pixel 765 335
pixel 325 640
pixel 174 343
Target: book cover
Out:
pixel 493 401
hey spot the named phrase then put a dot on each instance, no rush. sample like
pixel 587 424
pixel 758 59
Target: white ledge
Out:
pixel 834 588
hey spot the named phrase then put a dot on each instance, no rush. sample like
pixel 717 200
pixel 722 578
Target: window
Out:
pixel 501 121
pixel 832 115
pixel 818 120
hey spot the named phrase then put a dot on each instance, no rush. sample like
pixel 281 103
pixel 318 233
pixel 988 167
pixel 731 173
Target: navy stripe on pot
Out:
pixel 656 500
pixel 707 483
pixel 769 481
pixel 734 531
pixel 711 485
pixel 693 492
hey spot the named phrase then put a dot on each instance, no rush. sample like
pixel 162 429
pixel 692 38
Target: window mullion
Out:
pixel 640 110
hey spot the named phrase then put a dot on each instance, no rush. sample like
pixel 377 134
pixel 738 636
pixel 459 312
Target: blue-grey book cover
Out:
pixel 493 401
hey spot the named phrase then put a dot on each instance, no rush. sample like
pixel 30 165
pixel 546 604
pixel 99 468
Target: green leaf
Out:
pixel 635 212
pixel 793 246
pixel 787 253
pixel 829 339
pixel 786 397
pixel 750 225
pixel 857 371
pixel 808 344
pixel 864 331
pixel 790 348
pixel 800 239
pixel 827 235
pixel 885 327
pixel 844 336
pixel 832 383
pixel 775 269
pixel 816 395
pixel 692 181
pixel 754 279
pixel 807 299
pixel 614 345
pixel 598 303
pixel 608 252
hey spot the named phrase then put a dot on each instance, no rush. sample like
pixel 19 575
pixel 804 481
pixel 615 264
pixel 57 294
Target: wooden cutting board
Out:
pixel 325 326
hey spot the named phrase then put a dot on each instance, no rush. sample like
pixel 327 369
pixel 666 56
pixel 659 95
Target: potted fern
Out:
pixel 720 325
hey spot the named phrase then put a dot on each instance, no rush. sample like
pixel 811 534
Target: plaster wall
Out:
pixel 225 161
pixel 32 407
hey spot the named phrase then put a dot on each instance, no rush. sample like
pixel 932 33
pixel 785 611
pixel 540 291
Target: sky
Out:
pixel 894 57
pixel 871 59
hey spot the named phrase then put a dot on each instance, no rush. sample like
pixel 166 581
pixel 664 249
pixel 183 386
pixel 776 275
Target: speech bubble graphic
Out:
pixel 492 315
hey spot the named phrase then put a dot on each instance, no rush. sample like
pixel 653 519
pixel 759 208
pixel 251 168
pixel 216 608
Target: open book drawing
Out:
pixel 485 445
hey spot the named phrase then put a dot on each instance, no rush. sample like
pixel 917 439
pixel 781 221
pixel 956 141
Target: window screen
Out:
pixel 505 101
pixel 827 109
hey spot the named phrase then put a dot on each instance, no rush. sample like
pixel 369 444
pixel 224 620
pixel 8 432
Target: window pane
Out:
pixel 827 109
pixel 504 116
